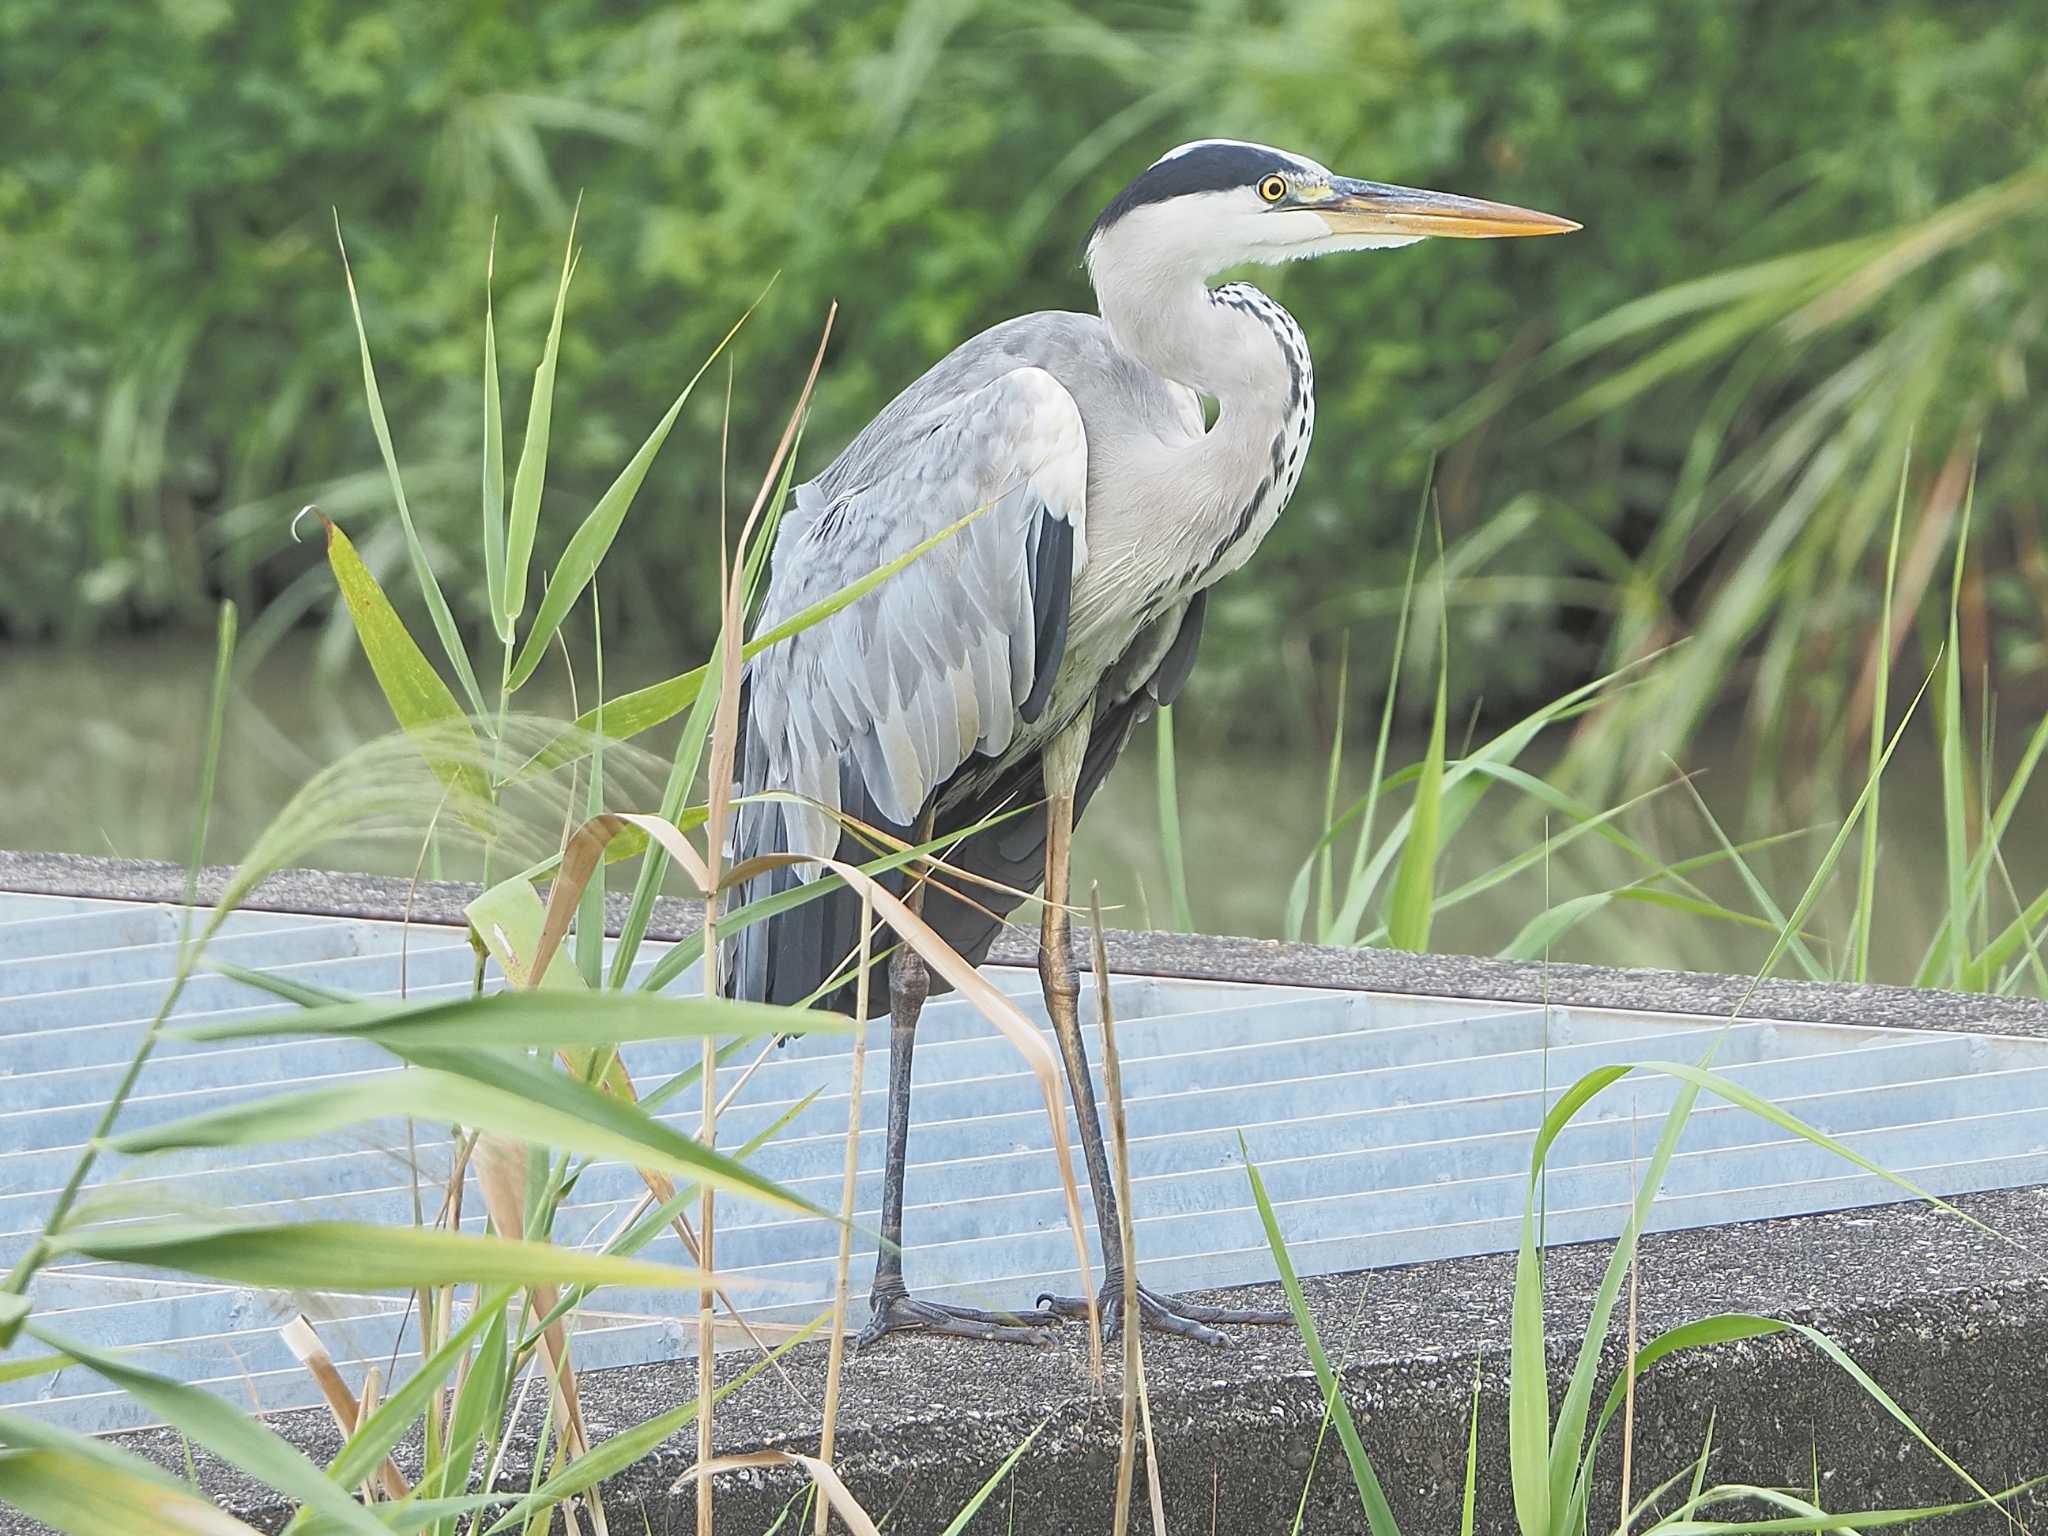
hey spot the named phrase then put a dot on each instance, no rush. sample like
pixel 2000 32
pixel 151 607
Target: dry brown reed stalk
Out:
pixel 373 1394
pixel 615 1079
pixel 837 1495
pixel 586 847
pixel 501 1174
pixel 303 1340
pixel 1136 1398
pixel 732 564
pixel 836 1349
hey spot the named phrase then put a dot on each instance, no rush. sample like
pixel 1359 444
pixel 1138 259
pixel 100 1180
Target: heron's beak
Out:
pixel 1375 208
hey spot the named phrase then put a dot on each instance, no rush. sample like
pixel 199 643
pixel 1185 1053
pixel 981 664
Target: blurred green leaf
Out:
pixel 513 1096
pixel 353 1256
pixel 85 1498
pixel 523 1020
pixel 237 1438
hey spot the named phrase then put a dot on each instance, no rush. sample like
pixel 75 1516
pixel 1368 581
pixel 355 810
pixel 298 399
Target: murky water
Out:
pixel 101 753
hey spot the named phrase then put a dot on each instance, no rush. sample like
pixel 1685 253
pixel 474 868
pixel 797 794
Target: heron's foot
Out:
pixel 1166 1314
pixel 897 1312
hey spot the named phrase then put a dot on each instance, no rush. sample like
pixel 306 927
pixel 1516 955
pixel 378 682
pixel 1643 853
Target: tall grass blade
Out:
pixel 1954 773
pixel 216 722
pixel 1353 906
pixel 1372 1498
pixel 1825 870
pixel 533 452
pixel 494 460
pixel 1470 1508
pixel 972 1507
pixel 1568 1437
pixel 1413 900
pixel 1866 872
pixel 592 541
pixel 422 569
pixel 1326 907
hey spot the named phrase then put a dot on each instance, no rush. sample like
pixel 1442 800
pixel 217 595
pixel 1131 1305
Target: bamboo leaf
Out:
pixel 20 1433
pixel 375 1437
pixel 629 1446
pixel 423 571
pixel 419 700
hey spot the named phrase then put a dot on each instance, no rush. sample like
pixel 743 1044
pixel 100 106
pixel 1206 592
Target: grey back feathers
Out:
pixel 930 696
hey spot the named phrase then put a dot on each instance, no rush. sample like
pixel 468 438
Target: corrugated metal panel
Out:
pixel 1390 1129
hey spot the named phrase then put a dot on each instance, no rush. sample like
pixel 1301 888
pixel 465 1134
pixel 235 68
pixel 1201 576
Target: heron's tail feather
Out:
pixel 788 957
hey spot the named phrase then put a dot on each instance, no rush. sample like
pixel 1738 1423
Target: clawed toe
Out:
pixel 1163 1314
pixel 901 1313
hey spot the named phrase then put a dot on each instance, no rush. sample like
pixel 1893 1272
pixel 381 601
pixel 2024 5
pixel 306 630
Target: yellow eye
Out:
pixel 1273 188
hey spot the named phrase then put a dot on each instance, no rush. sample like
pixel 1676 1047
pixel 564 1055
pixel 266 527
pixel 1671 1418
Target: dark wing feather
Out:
pixel 1011 852
pixel 872 712
pixel 1052 589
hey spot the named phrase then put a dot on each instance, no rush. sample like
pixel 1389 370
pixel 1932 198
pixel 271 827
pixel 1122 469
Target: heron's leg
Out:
pixel 1063 759
pixel 890 1306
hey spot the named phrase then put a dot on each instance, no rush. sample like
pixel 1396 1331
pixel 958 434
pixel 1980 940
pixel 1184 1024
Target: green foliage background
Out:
pixel 179 370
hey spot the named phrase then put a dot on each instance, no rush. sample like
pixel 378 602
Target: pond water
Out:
pixel 102 752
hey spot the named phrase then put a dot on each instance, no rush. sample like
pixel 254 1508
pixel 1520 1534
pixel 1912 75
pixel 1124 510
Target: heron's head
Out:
pixel 1218 203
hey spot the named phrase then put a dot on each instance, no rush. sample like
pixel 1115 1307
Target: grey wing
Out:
pixel 884 701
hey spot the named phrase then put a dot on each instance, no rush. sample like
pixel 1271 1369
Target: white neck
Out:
pixel 1217 344
pixel 1160 309
pixel 1171 322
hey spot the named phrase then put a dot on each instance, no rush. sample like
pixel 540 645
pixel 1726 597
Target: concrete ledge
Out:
pixel 1948 1320
pixel 1193 956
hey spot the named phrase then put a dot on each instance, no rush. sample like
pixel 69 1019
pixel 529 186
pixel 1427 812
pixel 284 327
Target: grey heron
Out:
pixel 1005 669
